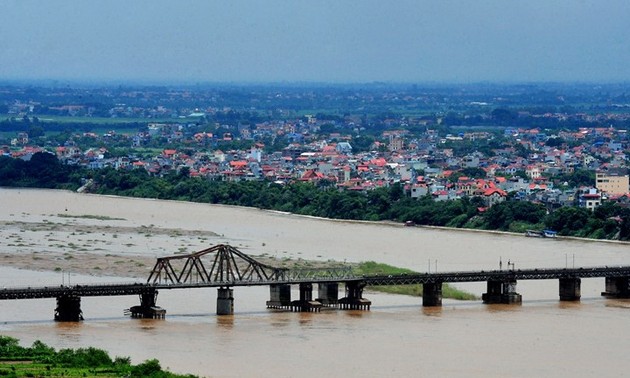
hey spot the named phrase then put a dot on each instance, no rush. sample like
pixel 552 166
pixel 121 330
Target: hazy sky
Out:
pixel 315 40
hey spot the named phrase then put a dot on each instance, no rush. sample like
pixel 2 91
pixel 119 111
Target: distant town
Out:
pixel 553 145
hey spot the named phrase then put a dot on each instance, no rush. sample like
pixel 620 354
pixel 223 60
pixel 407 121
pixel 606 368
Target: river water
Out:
pixel 398 337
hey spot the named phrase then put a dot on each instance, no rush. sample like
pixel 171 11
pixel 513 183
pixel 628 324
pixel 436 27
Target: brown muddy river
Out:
pixel 398 337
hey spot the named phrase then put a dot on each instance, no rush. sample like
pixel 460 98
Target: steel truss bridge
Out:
pixel 223 266
pixel 96 290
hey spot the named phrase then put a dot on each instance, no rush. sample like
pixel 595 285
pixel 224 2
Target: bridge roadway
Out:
pixel 136 288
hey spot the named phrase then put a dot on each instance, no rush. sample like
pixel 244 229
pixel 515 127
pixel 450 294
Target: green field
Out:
pixel 100 120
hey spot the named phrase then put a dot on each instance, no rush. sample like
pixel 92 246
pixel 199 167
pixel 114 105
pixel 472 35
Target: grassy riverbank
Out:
pixel 373 268
pixel 40 360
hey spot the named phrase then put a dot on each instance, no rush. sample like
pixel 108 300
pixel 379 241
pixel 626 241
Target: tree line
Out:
pixel 609 221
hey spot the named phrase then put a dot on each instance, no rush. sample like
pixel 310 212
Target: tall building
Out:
pixel 612 183
pixel 395 143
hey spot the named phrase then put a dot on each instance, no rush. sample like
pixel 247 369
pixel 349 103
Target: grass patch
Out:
pixel 371 268
pixel 87 216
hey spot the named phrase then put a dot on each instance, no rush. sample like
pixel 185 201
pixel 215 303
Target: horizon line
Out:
pixel 53 82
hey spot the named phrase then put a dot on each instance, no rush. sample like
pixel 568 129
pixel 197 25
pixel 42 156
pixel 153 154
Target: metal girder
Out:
pixel 218 264
pixel 320 273
pixel 76 290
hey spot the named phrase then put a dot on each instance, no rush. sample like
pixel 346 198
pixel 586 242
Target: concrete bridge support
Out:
pixel 147 308
pixel 432 294
pixel 306 302
pixel 306 292
pixel 501 292
pixel 328 294
pixel 279 296
pixel 225 301
pixel 354 297
pixel 68 309
pixel 570 289
pixel 617 287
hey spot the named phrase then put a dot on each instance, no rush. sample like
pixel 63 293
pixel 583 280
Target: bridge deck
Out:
pixel 499 275
pixel 92 290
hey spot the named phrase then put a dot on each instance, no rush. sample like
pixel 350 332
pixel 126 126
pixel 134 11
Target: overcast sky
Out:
pixel 316 41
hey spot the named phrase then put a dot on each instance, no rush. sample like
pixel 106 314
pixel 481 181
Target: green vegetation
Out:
pixel 48 118
pixel 42 171
pixel 41 360
pixel 87 216
pixel 371 268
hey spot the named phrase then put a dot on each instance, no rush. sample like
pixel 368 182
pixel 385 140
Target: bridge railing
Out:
pixel 318 273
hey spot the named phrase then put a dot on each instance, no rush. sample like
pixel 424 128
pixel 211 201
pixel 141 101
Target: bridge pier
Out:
pixel 617 287
pixel 354 297
pixel 328 293
pixel 147 308
pixel 279 296
pixel 68 309
pixel 432 294
pixel 570 289
pixel 306 302
pixel 225 301
pixel 501 292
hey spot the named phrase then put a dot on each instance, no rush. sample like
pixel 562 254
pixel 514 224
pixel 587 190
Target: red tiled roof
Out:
pixel 491 191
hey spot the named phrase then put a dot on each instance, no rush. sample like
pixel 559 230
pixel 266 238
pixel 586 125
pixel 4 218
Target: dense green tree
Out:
pixel 568 220
pixel 579 177
pixel 502 215
pixel 41 360
pixel 504 117
pixel 555 142
pixel 35 130
pixel 362 143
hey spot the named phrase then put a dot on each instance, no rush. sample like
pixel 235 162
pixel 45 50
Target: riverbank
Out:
pixel 521 234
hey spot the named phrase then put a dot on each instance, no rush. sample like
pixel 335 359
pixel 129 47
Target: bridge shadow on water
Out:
pixel 10 323
pixel 618 303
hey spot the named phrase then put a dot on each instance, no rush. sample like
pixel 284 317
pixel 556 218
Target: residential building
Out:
pixel 613 184
pixel 589 198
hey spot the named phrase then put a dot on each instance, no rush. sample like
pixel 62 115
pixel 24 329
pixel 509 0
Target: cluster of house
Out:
pixel 426 165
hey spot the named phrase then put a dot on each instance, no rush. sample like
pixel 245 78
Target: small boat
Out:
pixel 541 234
pixel 534 234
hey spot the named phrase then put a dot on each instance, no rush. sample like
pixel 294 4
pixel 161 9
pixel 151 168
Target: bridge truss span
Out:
pixel 218 264
pixel 331 274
